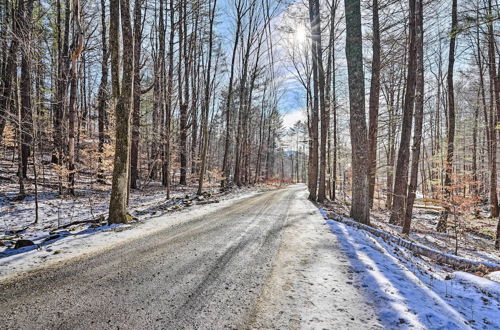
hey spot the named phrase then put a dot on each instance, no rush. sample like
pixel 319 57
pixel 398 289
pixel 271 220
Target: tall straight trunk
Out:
pixel 443 219
pixel 7 95
pixel 240 139
pixel 360 210
pixel 314 156
pixel 76 51
pixel 136 114
pixel 183 144
pixel 477 110
pixel 26 134
pixel 475 177
pixel 497 240
pixel 226 167
pixel 184 90
pixel 243 94
pixel 391 152
pixel 206 101
pixel 120 12
pixel 374 104
pixel 323 97
pixel 401 182
pixel 246 123
pixel 22 190
pixel 260 138
pixel 183 105
pixel 195 86
pixel 102 95
pixel 494 113
pixel 419 116
pixel 159 92
pixel 332 104
pixel 168 99
pixel 63 62
pixel 495 119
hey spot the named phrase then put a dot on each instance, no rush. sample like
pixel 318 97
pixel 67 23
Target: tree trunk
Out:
pixel 102 96
pixel 120 12
pixel 136 114
pixel 419 116
pixel 226 167
pixel 323 96
pixel 314 157
pixel 168 103
pixel 374 105
pixel 6 96
pixel 494 114
pixel 63 62
pixel 77 49
pixel 401 182
pixel 206 101
pixel 443 219
pixel 183 93
pixel 360 210
pixel 26 7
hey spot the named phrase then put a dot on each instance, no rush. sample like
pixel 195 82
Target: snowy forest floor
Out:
pixel 329 274
pixel 475 234
pixel 65 219
pixel 415 286
pixel 409 291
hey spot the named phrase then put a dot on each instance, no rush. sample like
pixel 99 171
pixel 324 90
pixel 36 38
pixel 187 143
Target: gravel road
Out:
pixel 217 271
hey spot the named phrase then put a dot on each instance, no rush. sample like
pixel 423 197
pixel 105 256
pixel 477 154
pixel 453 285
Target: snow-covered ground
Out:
pixel 408 291
pixel 325 273
pixel 475 232
pixel 86 239
pixel 55 212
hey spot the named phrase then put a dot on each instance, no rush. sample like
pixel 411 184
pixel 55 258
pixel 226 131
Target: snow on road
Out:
pixel 408 292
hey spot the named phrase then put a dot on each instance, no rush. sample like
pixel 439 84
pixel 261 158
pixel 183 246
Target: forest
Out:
pixel 249 164
pixel 382 107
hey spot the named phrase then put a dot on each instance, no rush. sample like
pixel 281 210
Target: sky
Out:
pixel 291 102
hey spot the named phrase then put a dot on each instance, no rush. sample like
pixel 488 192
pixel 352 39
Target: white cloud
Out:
pixel 291 117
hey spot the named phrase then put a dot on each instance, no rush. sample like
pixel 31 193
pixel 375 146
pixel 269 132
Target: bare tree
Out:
pixel 401 183
pixel 443 219
pixel 206 101
pixel 122 92
pixel 419 115
pixel 374 103
pixel 360 210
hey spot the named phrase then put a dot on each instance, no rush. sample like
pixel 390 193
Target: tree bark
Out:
pixel 374 104
pixel 360 210
pixel 168 99
pixel 136 114
pixel 76 51
pixel 401 182
pixel 494 114
pixel 443 219
pixel 26 8
pixel 102 96
pixel 323 96
pixel 314 156
pixel 7 95
pixel 206 101
pixel 120 11
pixel 226 168
pixel 419 116
pixel 63 62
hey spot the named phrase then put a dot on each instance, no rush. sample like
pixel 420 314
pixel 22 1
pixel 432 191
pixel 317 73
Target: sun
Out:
pixel 301 35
